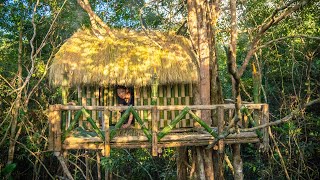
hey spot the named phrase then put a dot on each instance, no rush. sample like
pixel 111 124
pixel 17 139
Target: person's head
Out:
pixel 122 92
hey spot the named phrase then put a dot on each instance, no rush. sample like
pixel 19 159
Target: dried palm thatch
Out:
pixel 129 58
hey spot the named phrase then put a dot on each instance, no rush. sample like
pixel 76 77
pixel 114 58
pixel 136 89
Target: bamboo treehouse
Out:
pixel 162 70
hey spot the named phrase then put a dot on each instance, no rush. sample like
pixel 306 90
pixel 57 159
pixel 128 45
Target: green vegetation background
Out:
pixel 289 70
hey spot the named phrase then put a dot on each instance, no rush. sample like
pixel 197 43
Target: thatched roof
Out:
pixel 129 58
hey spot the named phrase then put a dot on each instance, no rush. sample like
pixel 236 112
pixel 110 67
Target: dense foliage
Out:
pixel 288 58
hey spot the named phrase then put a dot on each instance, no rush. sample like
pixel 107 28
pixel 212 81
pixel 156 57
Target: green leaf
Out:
pixel 8 169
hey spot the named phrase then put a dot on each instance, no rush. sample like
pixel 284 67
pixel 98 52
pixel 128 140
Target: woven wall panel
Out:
pixel 167 95
pixel 174 95
pixel 143 97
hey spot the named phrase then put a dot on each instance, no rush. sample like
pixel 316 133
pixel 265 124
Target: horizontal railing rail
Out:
pixel 149 107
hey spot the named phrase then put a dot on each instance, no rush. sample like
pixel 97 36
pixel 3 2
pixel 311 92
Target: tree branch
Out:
pixel 287 37
pixel 32 153
pixel 144 28
pixel 230 130
pixel 94 18
pixel 63 164
pixel 285 119
pixel 265 26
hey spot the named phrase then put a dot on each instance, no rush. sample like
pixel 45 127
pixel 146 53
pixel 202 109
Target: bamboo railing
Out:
pixel 98 119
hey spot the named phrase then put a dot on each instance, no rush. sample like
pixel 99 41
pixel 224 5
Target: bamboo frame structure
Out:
pixel 153 136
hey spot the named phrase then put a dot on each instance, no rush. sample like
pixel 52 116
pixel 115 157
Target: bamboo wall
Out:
pixel 167 95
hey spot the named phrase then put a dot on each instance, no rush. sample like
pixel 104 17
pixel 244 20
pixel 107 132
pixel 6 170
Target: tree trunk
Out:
pixel 201 23
pixel 200 164
pixel 94 19
pixel 208 164
pixel 182 158
pixel 216 90
pixel 237 162
pixel 17 104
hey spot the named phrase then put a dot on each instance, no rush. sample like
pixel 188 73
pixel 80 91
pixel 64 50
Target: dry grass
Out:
pixel 128 59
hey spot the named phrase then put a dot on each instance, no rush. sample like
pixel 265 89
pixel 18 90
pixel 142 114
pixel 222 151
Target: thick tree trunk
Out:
pixel 201 23
pixel 208 164
pixel 204 59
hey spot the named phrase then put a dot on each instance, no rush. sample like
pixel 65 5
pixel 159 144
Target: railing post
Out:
pixel 54 128
pixel 51 139
pixel 107 133
pixel 154 131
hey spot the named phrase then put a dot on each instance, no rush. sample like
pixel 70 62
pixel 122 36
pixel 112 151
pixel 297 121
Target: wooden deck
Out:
pixel 98 134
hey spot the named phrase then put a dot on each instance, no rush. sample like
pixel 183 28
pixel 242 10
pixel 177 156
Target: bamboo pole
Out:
pixel 93 124
pixel 256 84
pixel 175 102
pixel 65 115
pixel 64 94
pixel 105 95
pixel 94 103
pixel 154 112
pixel 64 90
pixel 203 124
pixel 89 102
pixel 154 131
pixel 72 124
pixel 168 128
pixel 252 122
pixel 79 93
pixel 106 135
pixel 142 125
pixel 83 103
pixel 123 118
